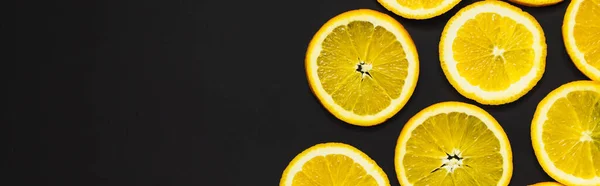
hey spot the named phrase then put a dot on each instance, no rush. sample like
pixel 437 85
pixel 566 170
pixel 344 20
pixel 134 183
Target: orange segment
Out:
pixel 333 164
pixel 581 28
pixel 362 66
pixel 493 52
pixel 563 133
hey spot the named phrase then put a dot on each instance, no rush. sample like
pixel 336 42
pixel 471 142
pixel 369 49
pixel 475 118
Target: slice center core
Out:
pixel 497 51
pixel 586 136
pixel 364 68
pixel 451 162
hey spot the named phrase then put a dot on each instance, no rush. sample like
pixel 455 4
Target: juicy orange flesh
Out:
pixel 493 51
pixel 344 49
pixel 453 134
pixel 420 4
pixel 564 135
pixel 587 31
pixel 332 170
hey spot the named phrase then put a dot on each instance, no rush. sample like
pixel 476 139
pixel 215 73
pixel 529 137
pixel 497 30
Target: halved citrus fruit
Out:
pixel 418 9
pixel 492 52
pixel 453 143
pixel 565 133
pixel 581 34
pixel 548 183
pixel 362 66
pixel 333 164
pixel 536 3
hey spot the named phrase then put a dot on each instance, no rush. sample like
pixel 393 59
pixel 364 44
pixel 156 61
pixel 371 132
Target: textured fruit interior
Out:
pixel 493 51
pixel 547 184
pixel 571 134
pixel 427 4
pixel 445 134
pixel 587 31
pixel 333 170
pixel 344 49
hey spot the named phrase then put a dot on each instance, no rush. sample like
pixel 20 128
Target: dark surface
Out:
pixel 209 92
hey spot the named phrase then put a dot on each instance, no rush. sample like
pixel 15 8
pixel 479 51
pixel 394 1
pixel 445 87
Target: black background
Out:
pixel 209 92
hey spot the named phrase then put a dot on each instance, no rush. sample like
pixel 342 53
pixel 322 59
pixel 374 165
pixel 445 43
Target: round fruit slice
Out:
pixel 453 143
pixel 547 184
pixel 411 9
pixel 565 133
pixel 492 52
pixel 581 34
pixel 536 3
pixel 333 164
pixel 362 66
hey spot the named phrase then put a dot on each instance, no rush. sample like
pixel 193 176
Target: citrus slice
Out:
pixel 492 52
pixel 536 3
pixel 565 133
pixel 333 164
pixel 411 9
pixel 453 143
pixel 547 184
pixel 362 66
pixel 581 34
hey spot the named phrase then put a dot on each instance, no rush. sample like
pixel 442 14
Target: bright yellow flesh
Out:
pixel 332 170
pixel 571 134
pixel 547 184
pixel 344 49
pixel 493 51
pixel 587 31
pixel 412 4
pixel 448 134
pixel 536 3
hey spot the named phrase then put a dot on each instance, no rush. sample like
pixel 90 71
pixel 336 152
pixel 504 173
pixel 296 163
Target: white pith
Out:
pixel 586 136
pixel 497 51
pixel 364 68
pixel 452 164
